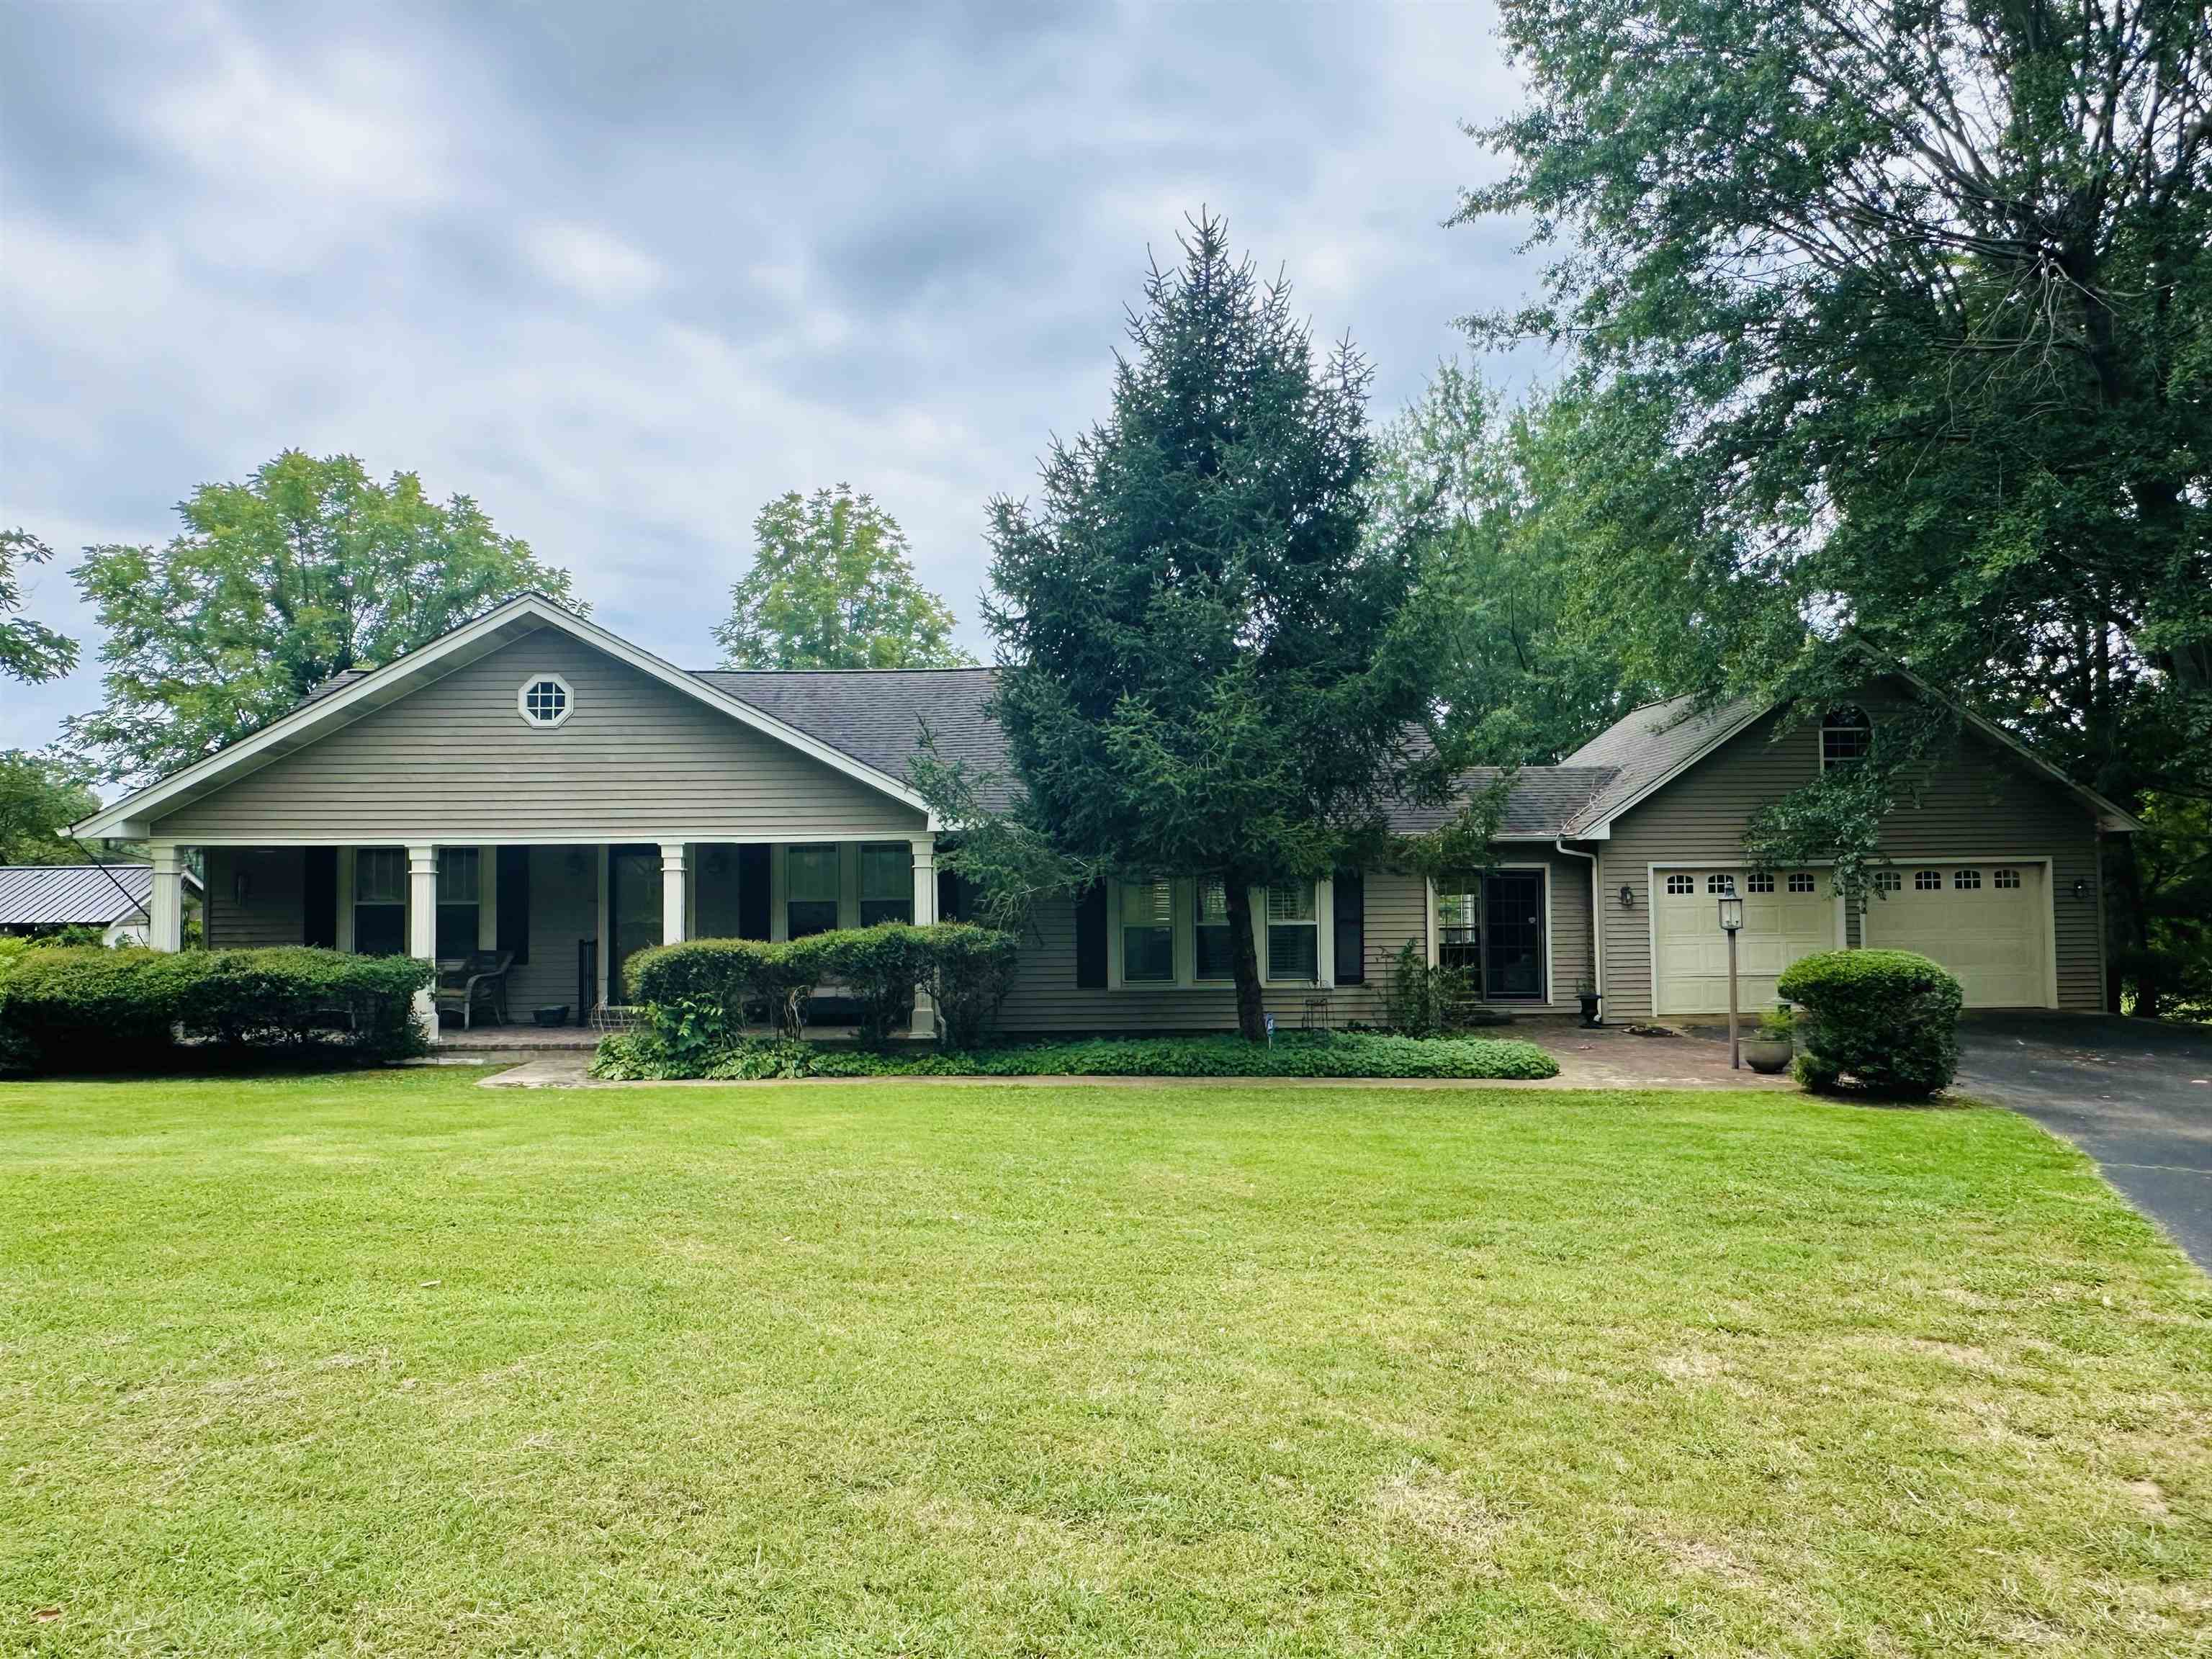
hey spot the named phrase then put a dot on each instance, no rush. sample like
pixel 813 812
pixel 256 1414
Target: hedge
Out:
pixel 1327 1055
pixel 697 995
pixel 90 1009
pixel 1888 1019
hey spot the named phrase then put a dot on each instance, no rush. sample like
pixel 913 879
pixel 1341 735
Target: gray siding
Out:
pixel 1979 800
pixel 274 912
pixel 637 760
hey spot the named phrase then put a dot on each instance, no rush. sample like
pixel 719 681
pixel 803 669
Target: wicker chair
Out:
pixel 478 977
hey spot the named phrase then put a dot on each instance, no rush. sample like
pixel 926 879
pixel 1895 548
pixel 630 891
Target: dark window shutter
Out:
pixel 948 896
pixel 1351 928
pixel 514 902
pixel 318 897
pixel 752 890
pixel 1090 938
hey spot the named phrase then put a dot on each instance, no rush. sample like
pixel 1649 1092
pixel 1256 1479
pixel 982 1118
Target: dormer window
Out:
pixel 1846 737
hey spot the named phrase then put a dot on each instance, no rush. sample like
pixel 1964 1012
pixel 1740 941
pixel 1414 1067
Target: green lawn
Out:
pixel 395 1364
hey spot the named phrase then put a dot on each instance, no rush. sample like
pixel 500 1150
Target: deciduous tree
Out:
pixel 29 651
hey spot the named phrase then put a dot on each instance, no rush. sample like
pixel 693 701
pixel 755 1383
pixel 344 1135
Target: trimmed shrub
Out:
pixel 87 1008
pixel 1341 1054
pixel 1888 1019
pixel 878 968
pixel 971 971
pixel 1421 1001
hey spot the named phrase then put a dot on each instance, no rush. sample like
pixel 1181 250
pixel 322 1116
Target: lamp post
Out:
pixel 1731 919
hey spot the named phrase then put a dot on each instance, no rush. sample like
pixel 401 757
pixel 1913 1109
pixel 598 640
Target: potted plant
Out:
pixel 1586 994
pixel 1770 1047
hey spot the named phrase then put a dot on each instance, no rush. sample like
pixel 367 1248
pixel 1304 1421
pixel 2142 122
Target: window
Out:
pixel 1846 735
pixel 809 890
pixel 886 883
pixel 1459 923
pixel 1966 881
pixel 1801 881
pixel 1887 881
pixel 2006 878
pixel 1147 933
pixel 545 700
pixel 1682 883
pixel 1212 952
pixel 1720 884
pixel 1293 933
pixel 1759 881
pixel 1927 881
pixel 379 901
pixel 460 889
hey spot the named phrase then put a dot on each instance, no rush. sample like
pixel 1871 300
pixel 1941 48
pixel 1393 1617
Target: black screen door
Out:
pixel 1513 936
pixel 633 911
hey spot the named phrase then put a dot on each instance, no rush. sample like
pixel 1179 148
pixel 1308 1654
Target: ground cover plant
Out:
pixel 390 1364
pixel 646 1055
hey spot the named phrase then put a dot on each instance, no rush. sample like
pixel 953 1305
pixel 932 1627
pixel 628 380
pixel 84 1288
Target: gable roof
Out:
pixel 75 895
pixel 347 698
pixel 1654 744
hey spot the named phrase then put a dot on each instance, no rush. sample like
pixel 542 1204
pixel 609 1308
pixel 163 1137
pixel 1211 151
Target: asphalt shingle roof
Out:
pixel 1646 744
pixel 72 894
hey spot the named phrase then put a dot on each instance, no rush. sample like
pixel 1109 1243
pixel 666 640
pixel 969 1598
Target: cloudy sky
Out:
pixel 625 273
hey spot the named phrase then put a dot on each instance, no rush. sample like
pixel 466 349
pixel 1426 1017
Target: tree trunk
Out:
pixel 1251 1017
pixel 2127 938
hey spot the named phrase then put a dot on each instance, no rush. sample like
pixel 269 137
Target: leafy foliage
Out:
pixel 1344 1055
pixel 86 1009
pixel 1527 673
pixel 40 795
pixel 1207 666
pixel 1892 318
pixel 971 970
pixel 29 651
pixel 831 586
pixel 308 569
pixel 1419 1000
pixel 1888 1019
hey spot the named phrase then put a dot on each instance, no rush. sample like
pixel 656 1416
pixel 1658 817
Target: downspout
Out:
pixel 1597 921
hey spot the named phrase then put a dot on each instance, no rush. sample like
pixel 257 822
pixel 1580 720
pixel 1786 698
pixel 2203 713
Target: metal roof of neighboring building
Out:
pixel 73 894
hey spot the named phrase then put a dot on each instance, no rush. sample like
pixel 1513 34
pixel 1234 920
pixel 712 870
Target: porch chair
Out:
pixel 480 976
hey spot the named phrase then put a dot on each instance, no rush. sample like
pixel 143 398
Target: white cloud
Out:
pixel 594 263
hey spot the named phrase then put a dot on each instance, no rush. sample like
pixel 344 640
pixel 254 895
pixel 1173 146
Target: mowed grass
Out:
pixel 393 1363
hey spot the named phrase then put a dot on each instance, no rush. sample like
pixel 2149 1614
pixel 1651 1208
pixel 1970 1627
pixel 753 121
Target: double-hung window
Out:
pixel 810 889
pixel 460 877
pixel 1148 933
pixel 379 901
pixel 1293 933
pixel 886 883
pixel 1212 955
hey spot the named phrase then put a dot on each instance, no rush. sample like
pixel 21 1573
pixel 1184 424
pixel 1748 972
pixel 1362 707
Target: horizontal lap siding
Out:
pixel 1570 927
pixel 637 759
pixel 275 911
pixel 1046 997
pixel 1977 801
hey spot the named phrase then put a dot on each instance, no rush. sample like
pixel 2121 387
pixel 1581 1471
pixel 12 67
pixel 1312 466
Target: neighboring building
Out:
pixel 115 898
pixel 532 783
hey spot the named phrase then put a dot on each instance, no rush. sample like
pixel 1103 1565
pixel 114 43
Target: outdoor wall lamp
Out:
pixel 1627 896
pixel 2081 888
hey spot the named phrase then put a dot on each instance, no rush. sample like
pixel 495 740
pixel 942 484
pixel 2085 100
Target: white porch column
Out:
pixel 422 924
pixel 166 929
pixel 925 912
pixel 671 892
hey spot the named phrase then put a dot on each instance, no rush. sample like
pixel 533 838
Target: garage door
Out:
pixel 1984 920
pixel 1787 914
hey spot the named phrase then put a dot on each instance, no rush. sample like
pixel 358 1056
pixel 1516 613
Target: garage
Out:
pixel 1787 914
pixel 1987 919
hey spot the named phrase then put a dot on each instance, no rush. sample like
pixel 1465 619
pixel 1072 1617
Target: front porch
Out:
pixel 554 923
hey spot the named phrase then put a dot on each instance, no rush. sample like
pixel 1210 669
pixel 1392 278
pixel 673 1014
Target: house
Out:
pixel 531 782
pixel 37 899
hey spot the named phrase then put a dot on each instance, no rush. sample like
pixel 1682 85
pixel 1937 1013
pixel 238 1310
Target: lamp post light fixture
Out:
pixel 1731 920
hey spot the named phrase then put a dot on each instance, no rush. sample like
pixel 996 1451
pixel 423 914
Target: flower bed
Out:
pixel 637 1056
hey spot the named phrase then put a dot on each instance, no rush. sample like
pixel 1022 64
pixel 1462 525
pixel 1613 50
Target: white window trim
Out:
pixel 1550 998
pixel 1182 920
pixel 522 702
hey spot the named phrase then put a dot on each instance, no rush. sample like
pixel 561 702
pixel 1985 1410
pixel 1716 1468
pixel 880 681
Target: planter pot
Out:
pixel 1589 999
pixel 550 1017
pixel 1767 1054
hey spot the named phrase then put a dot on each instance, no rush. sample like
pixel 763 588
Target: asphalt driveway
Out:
pixel 2135 1094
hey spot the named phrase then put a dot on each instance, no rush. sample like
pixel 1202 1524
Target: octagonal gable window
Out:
pixel 545 700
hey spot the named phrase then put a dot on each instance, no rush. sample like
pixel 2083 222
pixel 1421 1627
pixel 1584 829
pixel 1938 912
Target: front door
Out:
pixel 633 912
pixel 1513 936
